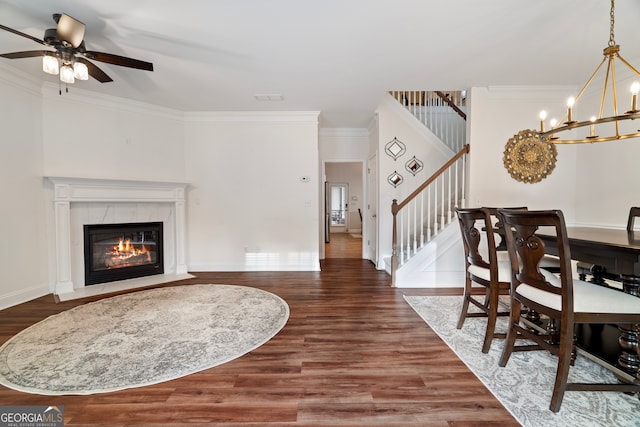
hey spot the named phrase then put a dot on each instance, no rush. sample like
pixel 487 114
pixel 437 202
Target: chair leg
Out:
pixel 564 362
pixel 512 333
pixel 487 300
pixel 465 302
pixel 492 314
pixel 552 330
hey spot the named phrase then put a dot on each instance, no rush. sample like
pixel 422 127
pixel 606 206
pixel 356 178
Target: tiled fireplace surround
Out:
pixel 80 201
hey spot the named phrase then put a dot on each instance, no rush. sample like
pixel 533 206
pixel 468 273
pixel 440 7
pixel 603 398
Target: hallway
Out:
pixel 343 245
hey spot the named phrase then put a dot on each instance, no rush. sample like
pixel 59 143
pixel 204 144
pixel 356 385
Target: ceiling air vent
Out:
pixel 268 97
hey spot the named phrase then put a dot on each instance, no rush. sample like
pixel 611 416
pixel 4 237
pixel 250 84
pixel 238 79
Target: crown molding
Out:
pixel 344 132
pixel 520 93
pixel 308 117
pixel 50 91
pixel 19 79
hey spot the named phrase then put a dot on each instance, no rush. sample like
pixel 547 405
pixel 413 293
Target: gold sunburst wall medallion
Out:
pixel 527 158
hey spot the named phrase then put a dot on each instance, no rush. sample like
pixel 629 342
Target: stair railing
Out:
pixel 426 211
pixel 440 112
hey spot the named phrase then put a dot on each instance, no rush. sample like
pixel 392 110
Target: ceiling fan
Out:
pixel 71 58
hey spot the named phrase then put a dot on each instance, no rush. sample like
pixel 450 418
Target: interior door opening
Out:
pixel 338 198
pixel 344 197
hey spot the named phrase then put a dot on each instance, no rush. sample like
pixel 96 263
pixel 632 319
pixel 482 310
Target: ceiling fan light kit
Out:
pixel 50 64
pixel 66 74
pixel 70 59
pixel 80 71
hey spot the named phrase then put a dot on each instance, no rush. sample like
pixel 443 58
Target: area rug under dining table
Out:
pixel 140 338
pixel 525 385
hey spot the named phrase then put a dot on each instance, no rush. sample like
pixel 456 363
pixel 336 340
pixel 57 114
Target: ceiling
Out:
pixel 338 57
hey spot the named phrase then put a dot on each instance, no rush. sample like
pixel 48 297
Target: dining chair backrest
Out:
pixel 498 228
pixel 633 213
pixel 526 250
pixel 474 224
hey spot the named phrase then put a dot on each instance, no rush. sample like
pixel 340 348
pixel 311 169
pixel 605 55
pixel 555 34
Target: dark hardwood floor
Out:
pixel 352 353
pixel 343 245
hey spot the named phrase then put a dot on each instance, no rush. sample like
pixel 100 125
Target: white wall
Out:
pixel 247 203
pixel 594 184
pixel 86 135
pixel 248 206
pixel 23 231
pixel 607 172
pixel 497 114
pixel 607 182
pixel 343 145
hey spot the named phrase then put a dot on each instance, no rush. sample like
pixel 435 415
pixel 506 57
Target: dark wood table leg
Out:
pixel 629 360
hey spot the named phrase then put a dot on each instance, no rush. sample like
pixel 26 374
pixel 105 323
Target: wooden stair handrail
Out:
pixel 451 104
pixel 395 206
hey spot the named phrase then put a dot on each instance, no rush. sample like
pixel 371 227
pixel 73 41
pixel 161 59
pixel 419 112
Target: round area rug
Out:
pixel 140 338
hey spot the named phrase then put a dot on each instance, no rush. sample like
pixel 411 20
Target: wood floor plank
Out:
pixel 352 353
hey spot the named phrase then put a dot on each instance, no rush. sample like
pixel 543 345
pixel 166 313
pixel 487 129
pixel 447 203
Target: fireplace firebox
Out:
pixel 122 251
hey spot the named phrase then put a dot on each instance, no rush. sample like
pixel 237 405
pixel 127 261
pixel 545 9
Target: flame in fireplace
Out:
pixel 125 254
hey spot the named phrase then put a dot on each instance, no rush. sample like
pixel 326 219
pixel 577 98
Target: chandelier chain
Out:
pixel 612 41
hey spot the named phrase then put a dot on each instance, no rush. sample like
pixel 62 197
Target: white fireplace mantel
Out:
pixel 72 191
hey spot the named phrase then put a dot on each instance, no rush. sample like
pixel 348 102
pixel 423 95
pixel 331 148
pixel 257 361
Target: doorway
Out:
pixel 338 207
pixel 344 195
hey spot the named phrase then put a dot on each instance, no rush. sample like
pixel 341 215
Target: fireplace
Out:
pixel 115 252
pixel 79 201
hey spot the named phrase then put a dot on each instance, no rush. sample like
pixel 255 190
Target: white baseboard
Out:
pixel 433 279
pixel 244 267
pixel 122 285
pixel 23 296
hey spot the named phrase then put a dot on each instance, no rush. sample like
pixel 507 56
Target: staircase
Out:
pixel 440 112
pixel 423 223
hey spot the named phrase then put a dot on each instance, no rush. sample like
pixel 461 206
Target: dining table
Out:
pixel 618 252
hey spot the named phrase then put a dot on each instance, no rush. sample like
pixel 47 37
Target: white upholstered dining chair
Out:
pixel 557 297
pixel 484 267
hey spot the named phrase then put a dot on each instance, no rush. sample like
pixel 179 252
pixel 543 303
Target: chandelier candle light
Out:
pixel 611 53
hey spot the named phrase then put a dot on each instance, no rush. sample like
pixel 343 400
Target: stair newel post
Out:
pixel 394 241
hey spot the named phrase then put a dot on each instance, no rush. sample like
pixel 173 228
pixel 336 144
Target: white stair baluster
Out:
pixel 422 217
pixel 450 198
pixel 429 212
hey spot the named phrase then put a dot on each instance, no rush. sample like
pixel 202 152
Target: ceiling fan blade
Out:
pixel 11 30
pixel 95 72
pixel 119 60
pixel 25 54
pixel 70 30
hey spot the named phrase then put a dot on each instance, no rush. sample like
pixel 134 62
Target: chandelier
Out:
pixel 610 127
